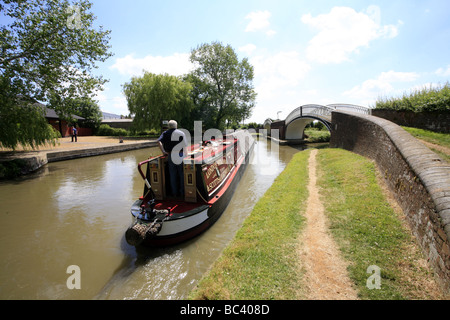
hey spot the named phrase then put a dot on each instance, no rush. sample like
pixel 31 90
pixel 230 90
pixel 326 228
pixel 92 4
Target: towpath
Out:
pixel 326 275
pixel 65 149
pixel 84 142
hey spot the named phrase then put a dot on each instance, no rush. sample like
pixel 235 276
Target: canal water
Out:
pixel 75 213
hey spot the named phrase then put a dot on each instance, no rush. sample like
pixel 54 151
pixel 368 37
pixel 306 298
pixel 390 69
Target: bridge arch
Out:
pixel 299 118
pixel 295 129
pixel 267 124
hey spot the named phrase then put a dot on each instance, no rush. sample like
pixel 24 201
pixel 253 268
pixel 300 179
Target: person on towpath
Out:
pixel 74 133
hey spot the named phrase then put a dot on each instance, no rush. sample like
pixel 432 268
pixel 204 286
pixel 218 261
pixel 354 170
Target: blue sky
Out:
pixel 303 52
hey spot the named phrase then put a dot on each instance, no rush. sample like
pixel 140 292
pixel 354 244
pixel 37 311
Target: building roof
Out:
pixel 51 114
pixel 107 115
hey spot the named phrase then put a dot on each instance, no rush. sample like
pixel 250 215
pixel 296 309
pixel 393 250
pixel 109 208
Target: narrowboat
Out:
pixel 212 170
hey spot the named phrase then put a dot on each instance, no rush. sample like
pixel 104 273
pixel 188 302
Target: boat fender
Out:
pixel 154 230
pixel 137 233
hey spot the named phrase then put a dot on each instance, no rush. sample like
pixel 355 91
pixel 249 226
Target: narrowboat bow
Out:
pixel 212 170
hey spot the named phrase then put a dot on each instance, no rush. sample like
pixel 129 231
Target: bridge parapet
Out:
pixel 313 110
pixel 323 112
pixel 351 108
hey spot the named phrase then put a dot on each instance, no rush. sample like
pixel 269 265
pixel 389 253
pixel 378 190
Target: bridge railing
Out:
pixel 313 110
pixel 323 112
pixel 350 107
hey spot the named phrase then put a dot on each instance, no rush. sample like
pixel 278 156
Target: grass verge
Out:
pixel 261 261
pixel 440 140
pixel 369 231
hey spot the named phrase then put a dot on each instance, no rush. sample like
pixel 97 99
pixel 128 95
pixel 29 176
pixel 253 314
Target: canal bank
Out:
pixel 268 258
pixel 22 161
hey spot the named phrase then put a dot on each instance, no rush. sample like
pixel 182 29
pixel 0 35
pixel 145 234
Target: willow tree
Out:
pixel 152 98
pixel 223 85
pixel 48 51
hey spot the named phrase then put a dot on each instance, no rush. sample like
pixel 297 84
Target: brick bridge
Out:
pixel 292 128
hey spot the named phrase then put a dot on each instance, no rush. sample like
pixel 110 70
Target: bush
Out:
pixel 315 136
pixel 147 133
pixel 254 125
pixel 423 100
pixel 106 130
pixel 11 169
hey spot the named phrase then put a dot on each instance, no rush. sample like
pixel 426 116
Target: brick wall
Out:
pixel 65 130
pixel 418 178
pixel 434 121
pixel 279 125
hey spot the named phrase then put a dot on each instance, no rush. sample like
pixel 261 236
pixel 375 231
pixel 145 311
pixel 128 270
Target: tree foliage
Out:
pixel 25 125
pixel 49 49
pixel 88 109
pixel 219 90
pixel 223 87
pixel 153 98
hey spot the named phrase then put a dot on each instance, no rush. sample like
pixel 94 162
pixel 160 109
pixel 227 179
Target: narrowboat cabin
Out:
pixel 212 170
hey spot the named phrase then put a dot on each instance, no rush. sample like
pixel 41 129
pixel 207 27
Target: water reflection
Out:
pixel 76 212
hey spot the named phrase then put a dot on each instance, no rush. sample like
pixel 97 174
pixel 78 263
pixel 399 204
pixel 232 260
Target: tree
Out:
pixel 222 84
pixel 156 97
pixel 48 51
pixel 88 109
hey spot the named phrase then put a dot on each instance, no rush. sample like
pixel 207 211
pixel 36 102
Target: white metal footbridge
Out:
pixel 296 121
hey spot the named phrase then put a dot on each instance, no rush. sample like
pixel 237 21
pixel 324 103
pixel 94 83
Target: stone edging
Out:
pixel 54 156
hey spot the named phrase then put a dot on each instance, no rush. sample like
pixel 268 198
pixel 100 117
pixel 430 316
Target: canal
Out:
pixel 75 213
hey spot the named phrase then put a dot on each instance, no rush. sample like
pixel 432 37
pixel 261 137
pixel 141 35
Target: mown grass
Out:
pixel 369 231
pixel 440 139
pixel 261 261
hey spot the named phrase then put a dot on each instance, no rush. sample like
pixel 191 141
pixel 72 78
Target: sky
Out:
pixel 302 51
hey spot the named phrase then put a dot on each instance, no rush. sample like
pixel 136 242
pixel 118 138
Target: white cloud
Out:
pixel 116 104
pixel 443 72
pixel 344 31
pixel 283 70
pixel 392 76
pixel 247 49
pixel 277 81
pixel 370 90
pixel 176 64
pixel 271 33
pixel 119 105
pixel 259 21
